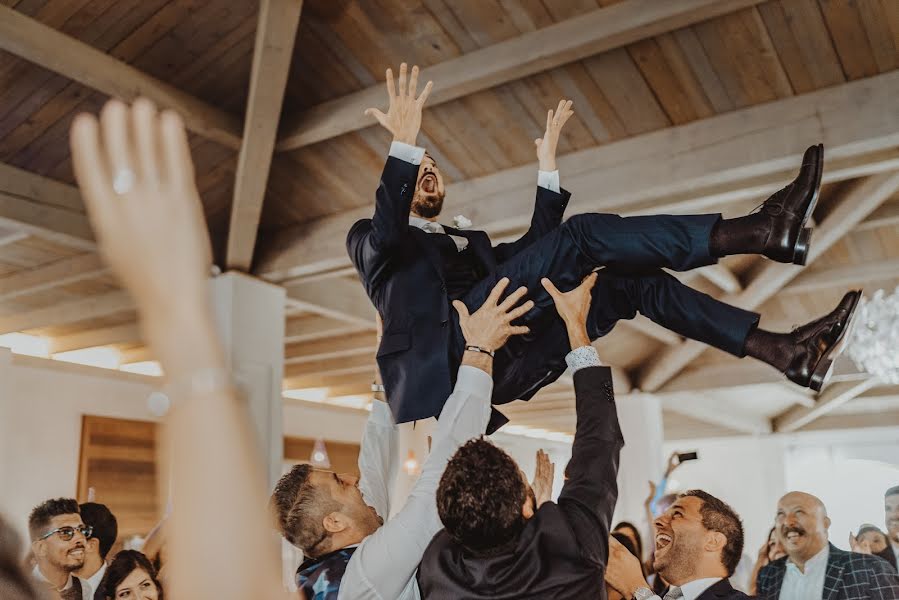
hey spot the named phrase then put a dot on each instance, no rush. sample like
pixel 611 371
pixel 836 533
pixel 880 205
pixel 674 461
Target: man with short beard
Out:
pixel 698 544
pixel 814 568
pixel 58 541
pixel 413 267
pixel 891 518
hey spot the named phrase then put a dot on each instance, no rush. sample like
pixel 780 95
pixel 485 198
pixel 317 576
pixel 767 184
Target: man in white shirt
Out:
pixel 338 521
pixel 891 518
pixel 413 267
pixel 698 544
pixel 58 540
pixel 105 530
pixel 814 568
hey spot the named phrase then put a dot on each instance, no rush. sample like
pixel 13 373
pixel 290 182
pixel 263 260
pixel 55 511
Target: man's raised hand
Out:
pixel 403 118
pixel 546 146
pixel 544 475
pixel 491 325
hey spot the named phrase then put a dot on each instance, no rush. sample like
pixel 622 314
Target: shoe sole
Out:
pixel 824 369
pixel 800 251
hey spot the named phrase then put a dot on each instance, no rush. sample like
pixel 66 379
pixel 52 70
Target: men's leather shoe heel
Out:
pixel 817 345
pixel 802 246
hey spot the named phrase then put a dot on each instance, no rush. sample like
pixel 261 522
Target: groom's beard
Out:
pixel 427 205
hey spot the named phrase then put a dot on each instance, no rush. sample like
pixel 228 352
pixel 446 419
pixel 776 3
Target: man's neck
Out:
pixel 801 561
pixel 58 578
pixel 92 564
pixel 701 572
pixel 417 216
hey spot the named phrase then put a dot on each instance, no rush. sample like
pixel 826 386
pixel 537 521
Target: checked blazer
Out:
pixel 850 576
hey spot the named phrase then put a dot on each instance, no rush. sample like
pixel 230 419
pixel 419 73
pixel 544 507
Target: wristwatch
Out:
pixel 643 594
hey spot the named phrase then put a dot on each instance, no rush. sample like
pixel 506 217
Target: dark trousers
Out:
pixel 633 250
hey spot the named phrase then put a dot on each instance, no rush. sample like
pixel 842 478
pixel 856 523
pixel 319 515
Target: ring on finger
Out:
pixel 123 181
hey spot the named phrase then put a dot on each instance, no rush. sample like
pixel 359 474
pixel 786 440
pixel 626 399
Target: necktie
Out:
pixel 674 593
pixel 432 227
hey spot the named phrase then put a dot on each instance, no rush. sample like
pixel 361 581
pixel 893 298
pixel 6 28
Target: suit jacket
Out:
pixel 722 590
pixel 563 549
pixel 850 576
pixel 402 272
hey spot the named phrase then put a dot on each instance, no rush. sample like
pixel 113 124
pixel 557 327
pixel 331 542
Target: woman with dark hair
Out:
pixel 770 551
pixel 630 530
pixel 130 576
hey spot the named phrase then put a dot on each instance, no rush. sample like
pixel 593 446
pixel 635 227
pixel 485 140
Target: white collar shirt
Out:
pixel 86 592
pixel 694 589
pixel 808 585
pixel 435 227
pixel 93 582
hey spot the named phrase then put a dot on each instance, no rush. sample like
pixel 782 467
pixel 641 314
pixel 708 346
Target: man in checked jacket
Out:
pixel 816 569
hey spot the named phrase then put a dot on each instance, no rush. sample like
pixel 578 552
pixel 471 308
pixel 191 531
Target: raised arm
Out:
pixel 136 177
pixel 388 558
pixel 552 200
pixel 397 185
pixel 589 495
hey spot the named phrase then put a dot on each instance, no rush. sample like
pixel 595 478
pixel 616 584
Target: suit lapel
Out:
pixel 721 589
pixel 834 574
pixel 430 249
pixel 779 571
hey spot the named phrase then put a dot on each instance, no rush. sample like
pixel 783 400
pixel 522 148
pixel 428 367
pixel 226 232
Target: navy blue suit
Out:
pixel 402 270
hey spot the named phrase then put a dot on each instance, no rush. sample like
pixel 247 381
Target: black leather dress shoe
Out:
pixel 790 208
pixel 817 344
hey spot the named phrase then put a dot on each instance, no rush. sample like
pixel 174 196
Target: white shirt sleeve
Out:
pixel 410 154
pixel 378 458
pixel 549 180
pixel 385 561
pixel 581 358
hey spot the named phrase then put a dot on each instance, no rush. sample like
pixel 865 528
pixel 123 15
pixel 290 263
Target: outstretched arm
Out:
pixel 386 560
pixel 590 492
pixel 551 199
pixel 136 177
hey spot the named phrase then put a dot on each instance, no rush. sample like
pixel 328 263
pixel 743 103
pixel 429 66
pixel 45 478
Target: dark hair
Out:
pixel 124 563
pixel 106 528
pixel 15 584
pixel 300 508
pixel 626 541
pixel 892 491
pixel 719 516
pixel 637 537
pixel 42 514
pixel 480 497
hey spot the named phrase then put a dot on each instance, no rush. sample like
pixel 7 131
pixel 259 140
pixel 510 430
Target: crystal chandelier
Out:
pixel 874 342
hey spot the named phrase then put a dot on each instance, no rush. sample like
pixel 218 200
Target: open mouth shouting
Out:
pixel 663 542
pixel 792 535
pixel 428 183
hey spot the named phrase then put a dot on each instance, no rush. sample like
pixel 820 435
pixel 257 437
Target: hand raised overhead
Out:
pixel 544 475
pixel 547 145
pixel 491 325
pixel 403 118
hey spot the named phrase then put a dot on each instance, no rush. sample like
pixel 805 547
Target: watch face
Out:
pixel 643 594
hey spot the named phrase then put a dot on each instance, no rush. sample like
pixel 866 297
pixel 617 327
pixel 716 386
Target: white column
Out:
pixel 642 458
pixel 250 316
pixel 413 437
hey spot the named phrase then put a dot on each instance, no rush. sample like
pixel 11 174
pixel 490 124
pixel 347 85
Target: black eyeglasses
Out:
pixel 68 532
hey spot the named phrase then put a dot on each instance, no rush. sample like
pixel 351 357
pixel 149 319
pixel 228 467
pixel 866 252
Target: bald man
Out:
pixel 814 568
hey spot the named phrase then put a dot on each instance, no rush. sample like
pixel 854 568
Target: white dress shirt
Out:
pixel 808 585
pixel 694 589
pixel 93 582
pixel 383 566
pixel 86 592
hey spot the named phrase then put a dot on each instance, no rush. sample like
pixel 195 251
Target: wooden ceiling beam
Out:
pixel 847 276
pixel 314 328
pixel 341 299
pixel 361 344
pixel 276 32
pixel 118 334
pixel 530 53
pixel 830 398
pixel 58 273
pixel 858 204
pixel 734 373
pixel 70 312
pixel 693 167
pixel 885 216
pixel 72 58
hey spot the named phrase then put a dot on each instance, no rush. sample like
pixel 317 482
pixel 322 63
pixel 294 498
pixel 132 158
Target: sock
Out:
pixel 769 348
pixel 743 235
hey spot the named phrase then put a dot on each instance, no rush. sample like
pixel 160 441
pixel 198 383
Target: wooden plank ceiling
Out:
pixel 701 71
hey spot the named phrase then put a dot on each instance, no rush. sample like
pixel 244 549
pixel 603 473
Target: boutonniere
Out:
pixel 461 222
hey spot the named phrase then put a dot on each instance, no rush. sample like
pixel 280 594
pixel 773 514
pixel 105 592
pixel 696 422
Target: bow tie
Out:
pixel 434 227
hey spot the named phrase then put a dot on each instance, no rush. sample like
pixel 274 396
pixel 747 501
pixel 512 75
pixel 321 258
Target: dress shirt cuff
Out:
pixel 380 414
pixel 548 180
pixel 583 357
pixel 473 380
pixel 407 153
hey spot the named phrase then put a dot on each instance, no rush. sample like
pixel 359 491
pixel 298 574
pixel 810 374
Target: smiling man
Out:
pixel 698 543
pixel 815 568
pixel 58 541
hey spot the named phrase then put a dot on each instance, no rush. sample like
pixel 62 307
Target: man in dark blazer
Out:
pixel 496 544
pixel 698 543
pixel 413 267
pixel 815 568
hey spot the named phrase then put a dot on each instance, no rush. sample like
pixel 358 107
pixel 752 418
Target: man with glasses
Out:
pixel 58 542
